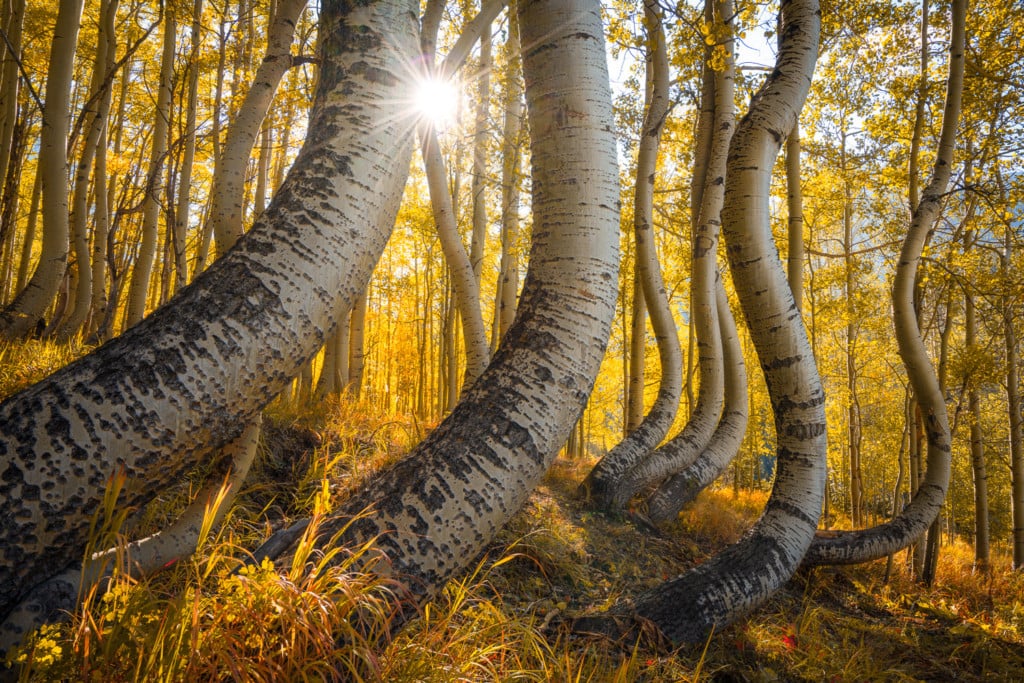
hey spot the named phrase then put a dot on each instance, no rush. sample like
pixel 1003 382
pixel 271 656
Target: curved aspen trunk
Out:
pixel 20 318
pixel 508 268
pixel 869 544
pixel 684 448
pixel 162 397
pixel 666 502
pixel 748 572
pixel 464 281
pixel 464 278
pixel 478 182
pixel 433 511
pixel 795 204
pixel 605 479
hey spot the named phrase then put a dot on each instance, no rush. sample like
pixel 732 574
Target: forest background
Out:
pixel 155 90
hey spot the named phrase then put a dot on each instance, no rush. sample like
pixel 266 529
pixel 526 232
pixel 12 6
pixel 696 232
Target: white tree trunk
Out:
pixel 884 539
pixel 227 194
pixel 55 599
pixel 605 480
pixel 29 306
pixel 434 510
pixel 683 449
pixel 745 574
pixel 160 398
pixel 95 124
pixel 666 502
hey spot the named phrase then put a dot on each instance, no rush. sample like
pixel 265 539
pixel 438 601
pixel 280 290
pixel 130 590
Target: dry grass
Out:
pixel 321 616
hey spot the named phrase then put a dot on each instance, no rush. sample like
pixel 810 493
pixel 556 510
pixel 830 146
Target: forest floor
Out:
pixel 507 619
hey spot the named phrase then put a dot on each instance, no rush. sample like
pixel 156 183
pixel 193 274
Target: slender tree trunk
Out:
pixel 138 290
pixel 228 192
pixel 25 262
pixel 1013 406
pixel 95 125
pixel 637 353
pixel 745 574
pixel 10 52
pixel 478 184
pixel 508 273
pixel 182 213
pixel 982 553
pixel 879 541
pixel 682 488
pixel 161 397
pixel 646 435
pixel 357 344
pixel 203 251
pixel 853 402
pixel 622 474
pixel 21 316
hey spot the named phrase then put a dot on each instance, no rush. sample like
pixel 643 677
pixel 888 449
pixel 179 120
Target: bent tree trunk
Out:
pixel 669 498
pixel 885 539
pixel 434 510
pixel 160 398
pixel 605 480
pixel 748 572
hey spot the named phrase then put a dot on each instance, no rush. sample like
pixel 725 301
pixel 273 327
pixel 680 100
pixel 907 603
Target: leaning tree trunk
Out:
pixel 228 190
pixel 435 510
pixel 605 479
pixel 29 306
pixel 162 397
pixel 884 539
pixel 747 573
pixel 56 598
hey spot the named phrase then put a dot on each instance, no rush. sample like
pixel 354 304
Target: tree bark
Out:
pixel 605 479
pixel 884 539
pixel 226 196
pixel 795 204
pixel 21 316
pixel 160 398
pixel 747 573
pixel 436 509
pixel 682 488
pixel 508 267
pixel 95 124
pixel 617 479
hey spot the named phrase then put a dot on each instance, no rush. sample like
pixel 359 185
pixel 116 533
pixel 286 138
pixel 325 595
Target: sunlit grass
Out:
pixel 318 615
